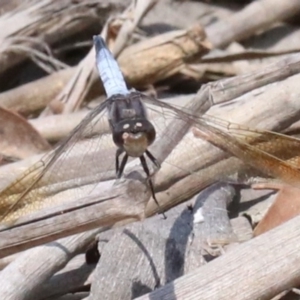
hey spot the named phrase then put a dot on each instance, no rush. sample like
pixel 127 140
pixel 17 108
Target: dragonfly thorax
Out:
pixel 134 136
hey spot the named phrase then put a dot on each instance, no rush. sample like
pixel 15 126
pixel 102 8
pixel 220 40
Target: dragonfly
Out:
pixel 55 176
pixel 132 132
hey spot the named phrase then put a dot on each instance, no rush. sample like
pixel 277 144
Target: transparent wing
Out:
pixel 80 160
pixel 284 147
pixel 272 154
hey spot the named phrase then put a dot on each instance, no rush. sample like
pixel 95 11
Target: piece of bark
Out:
pixel 130 20
pixel 177 228
pixel 253 19
pixel 212 228
pixel 243 54
pixel 279 39
pixel 263 259
pixel 211 65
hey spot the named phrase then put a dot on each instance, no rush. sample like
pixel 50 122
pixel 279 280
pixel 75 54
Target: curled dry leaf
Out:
pixel 18 139
pixel 285 207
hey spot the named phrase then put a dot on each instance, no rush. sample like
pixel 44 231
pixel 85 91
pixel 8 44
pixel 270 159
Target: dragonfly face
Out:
pixel 131 130
pixel 134 136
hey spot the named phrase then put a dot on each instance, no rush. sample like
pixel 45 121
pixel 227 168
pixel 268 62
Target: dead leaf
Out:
pixel 18 139
pixel 285 207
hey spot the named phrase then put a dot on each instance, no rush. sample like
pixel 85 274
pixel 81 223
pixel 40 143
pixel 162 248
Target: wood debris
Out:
pixel 228 150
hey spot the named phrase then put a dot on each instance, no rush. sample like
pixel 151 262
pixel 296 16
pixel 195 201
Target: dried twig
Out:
pixel 45 20
pixel 252 18
pixel 218 34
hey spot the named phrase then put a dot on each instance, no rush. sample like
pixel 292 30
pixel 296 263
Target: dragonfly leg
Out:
pixel 122 166
pixel 118 153
pixel 146 169
pixel 152 158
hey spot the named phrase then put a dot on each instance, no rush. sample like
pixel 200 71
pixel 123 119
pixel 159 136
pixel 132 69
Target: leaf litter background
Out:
pixel 48 84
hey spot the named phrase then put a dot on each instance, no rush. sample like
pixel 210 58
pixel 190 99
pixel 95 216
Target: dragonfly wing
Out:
pixel 255 152
pixel 80 160
pixel 284 147
pixel 271 153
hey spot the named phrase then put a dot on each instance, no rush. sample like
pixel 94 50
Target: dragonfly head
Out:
pixel 134 136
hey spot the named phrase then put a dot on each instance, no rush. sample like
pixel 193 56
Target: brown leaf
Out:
pixel 18 139
pixel 285 207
